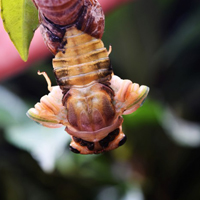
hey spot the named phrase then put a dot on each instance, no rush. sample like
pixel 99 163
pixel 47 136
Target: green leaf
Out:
pixel 20 19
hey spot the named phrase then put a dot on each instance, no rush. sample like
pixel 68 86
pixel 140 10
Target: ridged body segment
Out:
pixel 82 60
pixel 56 16
pixel 90 108
pixel 89 100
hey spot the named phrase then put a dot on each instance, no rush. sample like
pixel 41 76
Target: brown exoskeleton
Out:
pixel 89 100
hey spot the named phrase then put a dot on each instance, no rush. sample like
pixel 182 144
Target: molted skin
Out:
pixel 60 12
pixel 89 100
pixel 56 16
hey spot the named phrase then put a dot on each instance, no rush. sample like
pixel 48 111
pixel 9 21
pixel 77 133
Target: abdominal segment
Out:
pixel 81 60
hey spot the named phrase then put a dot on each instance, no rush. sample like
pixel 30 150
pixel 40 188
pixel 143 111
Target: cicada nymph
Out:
pixel 89 100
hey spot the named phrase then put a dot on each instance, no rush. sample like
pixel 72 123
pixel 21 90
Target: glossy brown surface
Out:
pixel 60 12
pixel 88 101
pixel 92 19
pixel 90 108
pixel 56 16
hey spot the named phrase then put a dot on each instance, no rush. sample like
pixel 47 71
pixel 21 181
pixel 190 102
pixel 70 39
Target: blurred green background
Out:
pixel 155 43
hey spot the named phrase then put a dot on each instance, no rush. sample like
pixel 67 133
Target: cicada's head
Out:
pixel 89 108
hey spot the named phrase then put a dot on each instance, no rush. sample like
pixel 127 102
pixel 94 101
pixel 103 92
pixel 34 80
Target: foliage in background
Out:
pixel 156 43
pixel 20 19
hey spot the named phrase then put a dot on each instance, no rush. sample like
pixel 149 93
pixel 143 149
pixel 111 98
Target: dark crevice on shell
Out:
pixel 109 138
pixel 73 149
pixel 90 145
pixel 52 34
pixel 122 141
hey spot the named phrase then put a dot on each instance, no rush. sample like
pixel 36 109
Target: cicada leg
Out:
pixel 49 111
pixel 109 50
pixel 128 96
pixel 47 80
pixel 135 99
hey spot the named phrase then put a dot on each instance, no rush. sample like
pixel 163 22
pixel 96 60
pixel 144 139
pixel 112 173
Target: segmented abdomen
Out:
pixel 82 60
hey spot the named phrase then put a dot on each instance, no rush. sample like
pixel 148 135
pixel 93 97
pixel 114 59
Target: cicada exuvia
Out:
pixel 89 99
